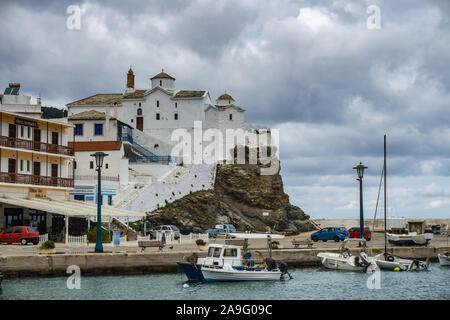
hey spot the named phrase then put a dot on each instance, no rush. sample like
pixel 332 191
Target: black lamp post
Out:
pixel 360 171
pixel 99 163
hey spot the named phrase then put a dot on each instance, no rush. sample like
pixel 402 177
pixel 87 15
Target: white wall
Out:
pixel 109 130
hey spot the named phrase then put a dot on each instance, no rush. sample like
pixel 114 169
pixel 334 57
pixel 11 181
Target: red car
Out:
pixel 355 233
pixel 20 234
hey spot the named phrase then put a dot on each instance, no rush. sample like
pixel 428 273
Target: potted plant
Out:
pixel 48 247
pixel 276 245
pixel 201 244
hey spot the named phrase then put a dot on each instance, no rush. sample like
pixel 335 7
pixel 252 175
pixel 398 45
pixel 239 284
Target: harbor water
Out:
pixel 307 283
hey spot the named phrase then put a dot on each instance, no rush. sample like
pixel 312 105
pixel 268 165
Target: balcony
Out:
pixel 19 178
pixel 35 146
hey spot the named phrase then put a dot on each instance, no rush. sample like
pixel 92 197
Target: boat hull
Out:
pixel 444 260
pixel 216 274
pixel 410 240
pixel 337 262
pixel 192 271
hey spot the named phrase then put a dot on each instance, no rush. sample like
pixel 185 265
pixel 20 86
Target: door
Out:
pixel 12 131
pixel 7 235
pixel 36 168
pixel 12 170
pixel 17 234
pixel 140 123
pixel 55 137
pixel 37 139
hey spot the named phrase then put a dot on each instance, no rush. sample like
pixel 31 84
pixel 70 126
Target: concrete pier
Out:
pixel 163 262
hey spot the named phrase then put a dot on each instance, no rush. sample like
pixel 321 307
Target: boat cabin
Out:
pixel 222 255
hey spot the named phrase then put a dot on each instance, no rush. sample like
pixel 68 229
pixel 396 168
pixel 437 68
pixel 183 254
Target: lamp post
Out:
pixel 99 163
pixel 360 171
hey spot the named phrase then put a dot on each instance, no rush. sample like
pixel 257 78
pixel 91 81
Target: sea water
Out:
pixel 307 283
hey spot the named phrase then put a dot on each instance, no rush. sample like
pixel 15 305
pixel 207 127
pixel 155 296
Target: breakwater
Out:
pixel 163 262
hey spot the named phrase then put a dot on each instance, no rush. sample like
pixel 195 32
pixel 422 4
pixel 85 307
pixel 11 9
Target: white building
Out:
pixel 97 131
pixel 12 101
pixel 161 109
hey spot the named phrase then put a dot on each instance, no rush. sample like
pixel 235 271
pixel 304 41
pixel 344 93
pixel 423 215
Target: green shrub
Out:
pixel 200 242
pixel 47 245
pixel 92 235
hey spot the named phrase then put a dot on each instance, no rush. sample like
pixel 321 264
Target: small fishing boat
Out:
pixel 227 262
pixel 444 259
pixel 410 239
pixel 344 260
pixel 390 262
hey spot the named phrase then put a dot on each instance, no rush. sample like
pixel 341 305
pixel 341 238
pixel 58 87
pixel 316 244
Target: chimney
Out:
pixel 38 100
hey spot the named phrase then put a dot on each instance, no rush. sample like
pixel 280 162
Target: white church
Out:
pixel 136 127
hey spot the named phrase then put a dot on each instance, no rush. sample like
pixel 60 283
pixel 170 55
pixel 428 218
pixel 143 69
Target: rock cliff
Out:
pixel 241 196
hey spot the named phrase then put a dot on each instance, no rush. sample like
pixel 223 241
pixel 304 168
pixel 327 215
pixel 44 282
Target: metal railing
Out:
pixel 20 178
pixel 35 146
pixel 43 238
pixel 95 177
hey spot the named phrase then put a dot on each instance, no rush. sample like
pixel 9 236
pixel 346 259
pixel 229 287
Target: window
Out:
pixel 110 200
pixel 31 229
pixel 21 165
pixel 157 116
pixel 175 116
pixel 231 116
pixel 29 132
pixel 230 253
pixel 91 165
pixel 21 131
pixel 74 164
pixel 157 103
pixel 176 104
pixel 79 129
pixel 106 166
pixel 139 112
pixel 216 253
pixel 139 104
pixel 98 129
pixel 160 83
pixel 79 197
pixel 28 165
pixel 18 230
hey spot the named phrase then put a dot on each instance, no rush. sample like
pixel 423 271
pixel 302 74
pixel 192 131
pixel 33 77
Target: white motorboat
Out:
pixel 410 239
pixel 228 262
pixel 390 262
pixel 344 260
pixel 444 259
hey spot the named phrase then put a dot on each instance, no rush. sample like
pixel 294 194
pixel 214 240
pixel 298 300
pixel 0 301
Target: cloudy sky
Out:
pixel 316 70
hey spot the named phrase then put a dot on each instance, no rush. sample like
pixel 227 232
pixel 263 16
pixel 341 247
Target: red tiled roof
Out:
pixel 96 145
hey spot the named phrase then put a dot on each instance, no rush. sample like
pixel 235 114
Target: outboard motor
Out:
pixel 284 269
pixel 271 264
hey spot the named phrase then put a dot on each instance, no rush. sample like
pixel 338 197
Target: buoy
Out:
pixel 397 269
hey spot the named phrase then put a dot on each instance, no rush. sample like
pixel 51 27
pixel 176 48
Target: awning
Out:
pixel 70 208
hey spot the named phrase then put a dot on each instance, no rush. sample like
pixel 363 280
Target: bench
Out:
pixel 302 242
pixel 150 244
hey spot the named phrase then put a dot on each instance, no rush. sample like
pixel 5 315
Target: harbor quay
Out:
pixel 130 260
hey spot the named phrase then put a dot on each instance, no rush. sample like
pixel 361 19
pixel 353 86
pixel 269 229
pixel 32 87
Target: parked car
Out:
pixel 331 233
pixel 188 229
pixel 355 233
pixel 167 227
pixel 220 229
pixel 20 234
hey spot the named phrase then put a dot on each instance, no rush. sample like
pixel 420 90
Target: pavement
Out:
pixel 131 246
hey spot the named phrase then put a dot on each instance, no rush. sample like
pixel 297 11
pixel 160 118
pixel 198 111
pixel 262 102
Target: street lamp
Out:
pixel 99 156
pixel 360 171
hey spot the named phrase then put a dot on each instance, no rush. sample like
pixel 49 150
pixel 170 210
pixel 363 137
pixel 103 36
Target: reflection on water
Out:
pixel 307 283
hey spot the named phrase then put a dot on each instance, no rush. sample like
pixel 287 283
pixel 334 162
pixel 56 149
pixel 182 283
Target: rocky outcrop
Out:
pixel 241 196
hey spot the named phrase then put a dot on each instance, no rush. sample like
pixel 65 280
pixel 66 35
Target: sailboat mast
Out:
pixel 385 193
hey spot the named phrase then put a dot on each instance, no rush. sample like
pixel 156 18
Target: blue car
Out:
pixel 331 233
pixel 220 229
